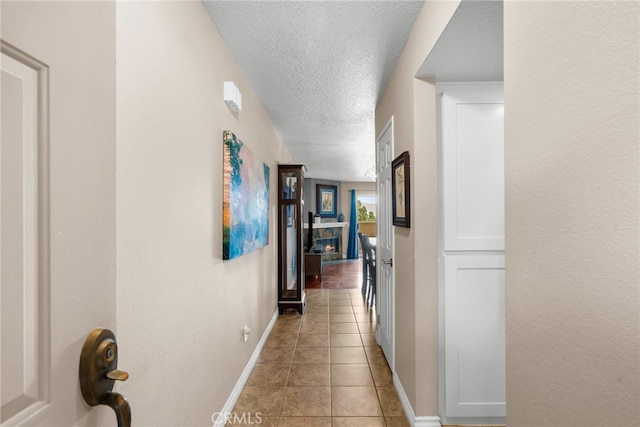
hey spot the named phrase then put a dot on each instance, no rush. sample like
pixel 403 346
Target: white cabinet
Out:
pixel 472 274
pixel 473 168
pixel 475 336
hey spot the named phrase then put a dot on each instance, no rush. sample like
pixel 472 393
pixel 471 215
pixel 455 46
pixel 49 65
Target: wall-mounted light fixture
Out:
pixel 232 96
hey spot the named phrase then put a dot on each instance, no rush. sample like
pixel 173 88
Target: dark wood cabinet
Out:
pixel 313 264
pixel 291 293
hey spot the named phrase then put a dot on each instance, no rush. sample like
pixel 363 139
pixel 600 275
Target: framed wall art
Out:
pixel 245 203
pixel 326 200
pixel 400 190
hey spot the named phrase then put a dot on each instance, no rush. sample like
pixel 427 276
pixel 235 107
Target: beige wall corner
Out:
pixel 572 228
pixel 415 258
pixel 425 226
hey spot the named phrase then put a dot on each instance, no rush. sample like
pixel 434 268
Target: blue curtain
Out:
pixel 352 248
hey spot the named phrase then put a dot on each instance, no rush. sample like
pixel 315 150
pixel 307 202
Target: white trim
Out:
pixel 423 421
pixel 465 86
pixel 235 393
pixel 427 422
pixel 327 224
pixel 385 236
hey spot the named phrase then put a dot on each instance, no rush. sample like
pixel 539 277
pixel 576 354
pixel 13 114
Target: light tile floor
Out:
pixel 322 369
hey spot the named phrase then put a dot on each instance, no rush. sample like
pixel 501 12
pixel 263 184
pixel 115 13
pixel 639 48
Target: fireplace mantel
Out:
pixel 327 225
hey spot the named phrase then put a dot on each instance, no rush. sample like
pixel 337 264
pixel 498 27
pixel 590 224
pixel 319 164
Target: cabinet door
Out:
pixel 473 168
pixel 475 336
pixel 290 251
pixel 291 261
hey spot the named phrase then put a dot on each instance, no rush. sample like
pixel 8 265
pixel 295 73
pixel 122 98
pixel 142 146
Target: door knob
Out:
pixel 98 374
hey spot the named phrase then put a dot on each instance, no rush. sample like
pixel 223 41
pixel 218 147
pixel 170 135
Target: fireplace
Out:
pixel 330 237
pixel 331 245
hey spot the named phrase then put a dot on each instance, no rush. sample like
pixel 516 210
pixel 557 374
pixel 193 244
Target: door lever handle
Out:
pixel 117 375
pixel 388 262
pixel 120 406
pixel 98 374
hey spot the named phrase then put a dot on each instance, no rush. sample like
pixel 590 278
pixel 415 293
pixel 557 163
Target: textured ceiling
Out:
pixel 319 68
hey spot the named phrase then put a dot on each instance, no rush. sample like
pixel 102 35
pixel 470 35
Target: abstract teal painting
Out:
pixel 245 205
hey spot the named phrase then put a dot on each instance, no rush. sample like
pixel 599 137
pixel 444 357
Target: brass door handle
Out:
pixel 98 373
pixel 118 375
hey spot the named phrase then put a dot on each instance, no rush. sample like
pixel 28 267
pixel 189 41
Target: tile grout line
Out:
pixel 369 310
pixel 286 384
pixel 330 364
pixel 353 302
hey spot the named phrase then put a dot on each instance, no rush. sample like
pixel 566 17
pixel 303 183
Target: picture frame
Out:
pixel 326 200
pixel 401 190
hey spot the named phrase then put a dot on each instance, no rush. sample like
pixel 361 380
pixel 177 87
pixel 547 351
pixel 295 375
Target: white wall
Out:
pixel 572 234
pixel 180 308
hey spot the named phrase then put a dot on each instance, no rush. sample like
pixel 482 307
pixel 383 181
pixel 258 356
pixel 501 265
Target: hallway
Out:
pixel 323 369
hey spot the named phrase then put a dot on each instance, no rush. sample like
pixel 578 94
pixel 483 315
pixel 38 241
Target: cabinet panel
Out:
pixel 24 282
pixel 475 335
pixel 290 251
pixel 473 169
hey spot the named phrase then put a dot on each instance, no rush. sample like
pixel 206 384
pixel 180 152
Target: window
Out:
pixel 366 205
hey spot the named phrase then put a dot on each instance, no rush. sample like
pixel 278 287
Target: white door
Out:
pixel 472 252
pixel 384 245
pixel 57 200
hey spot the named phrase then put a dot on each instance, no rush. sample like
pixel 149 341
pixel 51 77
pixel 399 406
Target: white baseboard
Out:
pixel 427 422
pixel 423 421
pixel 235 393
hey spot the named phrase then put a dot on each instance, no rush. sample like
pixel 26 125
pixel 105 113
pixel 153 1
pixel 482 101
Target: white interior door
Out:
pixel 384 245
pixel 57 200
